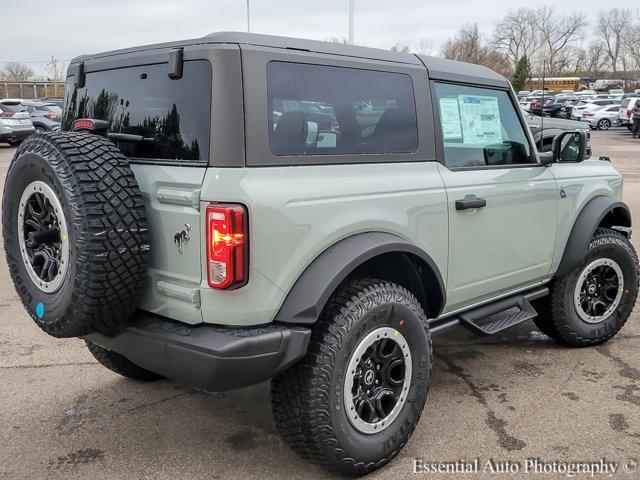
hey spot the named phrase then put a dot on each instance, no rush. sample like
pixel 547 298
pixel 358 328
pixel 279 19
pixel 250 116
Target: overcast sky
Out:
pixel 34 30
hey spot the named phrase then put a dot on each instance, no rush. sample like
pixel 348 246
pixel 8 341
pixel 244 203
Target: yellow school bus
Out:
pixel 557 84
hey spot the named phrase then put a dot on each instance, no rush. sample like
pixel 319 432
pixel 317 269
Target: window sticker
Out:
pixel 480 118
pixel 450 118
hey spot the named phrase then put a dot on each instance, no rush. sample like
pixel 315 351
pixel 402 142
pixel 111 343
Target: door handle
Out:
pixel 470 202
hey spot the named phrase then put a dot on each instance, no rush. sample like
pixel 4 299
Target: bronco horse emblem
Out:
pixel 182 237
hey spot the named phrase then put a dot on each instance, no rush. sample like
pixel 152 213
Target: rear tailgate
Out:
pixel 172 195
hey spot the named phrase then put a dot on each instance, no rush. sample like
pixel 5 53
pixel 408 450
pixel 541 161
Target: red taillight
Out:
pixel 227 246
pixel 83 124
pixel 628 113
pixel 51 115
pixel 335 125
pixel 6 114
pixel 588 114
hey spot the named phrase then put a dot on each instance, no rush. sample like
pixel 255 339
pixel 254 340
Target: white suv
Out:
pixel 15 122
pixel 625 114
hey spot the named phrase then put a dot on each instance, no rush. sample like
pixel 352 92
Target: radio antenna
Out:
pixel 542 108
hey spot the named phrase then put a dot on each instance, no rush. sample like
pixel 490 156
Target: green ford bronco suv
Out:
pixel 237 208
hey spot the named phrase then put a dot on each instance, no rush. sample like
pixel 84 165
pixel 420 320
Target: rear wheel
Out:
pixel 604 124
pixel 355 399
pixel 592 303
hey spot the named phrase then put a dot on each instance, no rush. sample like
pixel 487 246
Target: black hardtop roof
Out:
pixel 438 68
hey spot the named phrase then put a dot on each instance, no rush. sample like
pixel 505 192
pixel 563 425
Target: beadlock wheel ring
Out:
pixel 43 236
pixel 377 380
pixel 598 290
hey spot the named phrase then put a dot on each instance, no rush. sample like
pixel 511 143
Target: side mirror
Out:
pixel 570 147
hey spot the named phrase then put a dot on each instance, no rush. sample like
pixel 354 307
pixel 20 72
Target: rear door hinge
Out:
pixel 186 294
pixel 190 198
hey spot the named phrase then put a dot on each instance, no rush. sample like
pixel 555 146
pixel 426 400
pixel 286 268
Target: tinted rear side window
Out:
pixel 322 110
pixel 166 119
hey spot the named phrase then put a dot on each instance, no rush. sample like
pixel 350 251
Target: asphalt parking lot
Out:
pixel 507 398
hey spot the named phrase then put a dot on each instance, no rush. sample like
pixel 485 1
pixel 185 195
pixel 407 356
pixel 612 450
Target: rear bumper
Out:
pixel 205 356
pixel 10 135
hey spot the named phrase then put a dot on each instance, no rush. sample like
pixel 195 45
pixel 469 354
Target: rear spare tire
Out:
pixel 75 233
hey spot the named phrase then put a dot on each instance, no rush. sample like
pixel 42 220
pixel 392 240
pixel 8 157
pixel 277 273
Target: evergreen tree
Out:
pixel 522 74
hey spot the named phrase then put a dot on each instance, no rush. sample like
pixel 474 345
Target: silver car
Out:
pixel 15 122
pixel 602 118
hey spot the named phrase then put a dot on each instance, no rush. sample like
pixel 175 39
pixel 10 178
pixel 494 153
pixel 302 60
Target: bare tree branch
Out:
pixel 612 27
pixel 16 72
pixel 516 35
pixel 556 32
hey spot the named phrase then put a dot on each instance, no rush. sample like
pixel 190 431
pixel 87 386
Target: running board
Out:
pixel 476 318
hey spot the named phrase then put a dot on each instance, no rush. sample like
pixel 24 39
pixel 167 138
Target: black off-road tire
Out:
pixel 120 364
pixel 107 232
pixel 307 400
pixel 557 315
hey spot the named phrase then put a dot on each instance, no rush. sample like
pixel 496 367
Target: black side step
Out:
pixel 476 319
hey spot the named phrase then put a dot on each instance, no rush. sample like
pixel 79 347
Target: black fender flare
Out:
pixel 311 291
pixel 599 211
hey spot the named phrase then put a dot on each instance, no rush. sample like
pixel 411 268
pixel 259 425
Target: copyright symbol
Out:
pixel 630 466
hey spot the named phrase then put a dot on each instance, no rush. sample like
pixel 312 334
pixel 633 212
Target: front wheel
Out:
pixel 592 303
pixel 353 402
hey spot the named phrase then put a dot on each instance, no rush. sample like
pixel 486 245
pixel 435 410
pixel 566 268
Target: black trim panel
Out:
pixel 583 229
pixel 312 290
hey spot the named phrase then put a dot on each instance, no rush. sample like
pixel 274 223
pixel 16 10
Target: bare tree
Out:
pixel 426 47
pixel 612 26
pixel 632 44
pixel 55 70
pixel 465 46
pixel 469 46
pixel 16 72
pixel 516 35
pixel 594 59
pixel 556 33
pixel 400 46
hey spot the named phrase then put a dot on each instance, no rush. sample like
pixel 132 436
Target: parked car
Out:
pixel 240 252
pixel 625 115
pixel 46 117
pixel 589 104
pixel 544 130
pixel 15 122
pixel 616 91
pixel 602 118
pixel 549 107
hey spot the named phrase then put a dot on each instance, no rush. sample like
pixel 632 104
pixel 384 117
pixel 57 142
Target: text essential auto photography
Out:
pixel 250 239
pixel 531 466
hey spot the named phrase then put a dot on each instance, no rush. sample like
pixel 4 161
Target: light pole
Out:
pixel 248 22
pixel 351 7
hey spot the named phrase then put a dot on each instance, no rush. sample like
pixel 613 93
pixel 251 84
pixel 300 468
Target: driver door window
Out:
pixel 507 239
pixel 480 127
